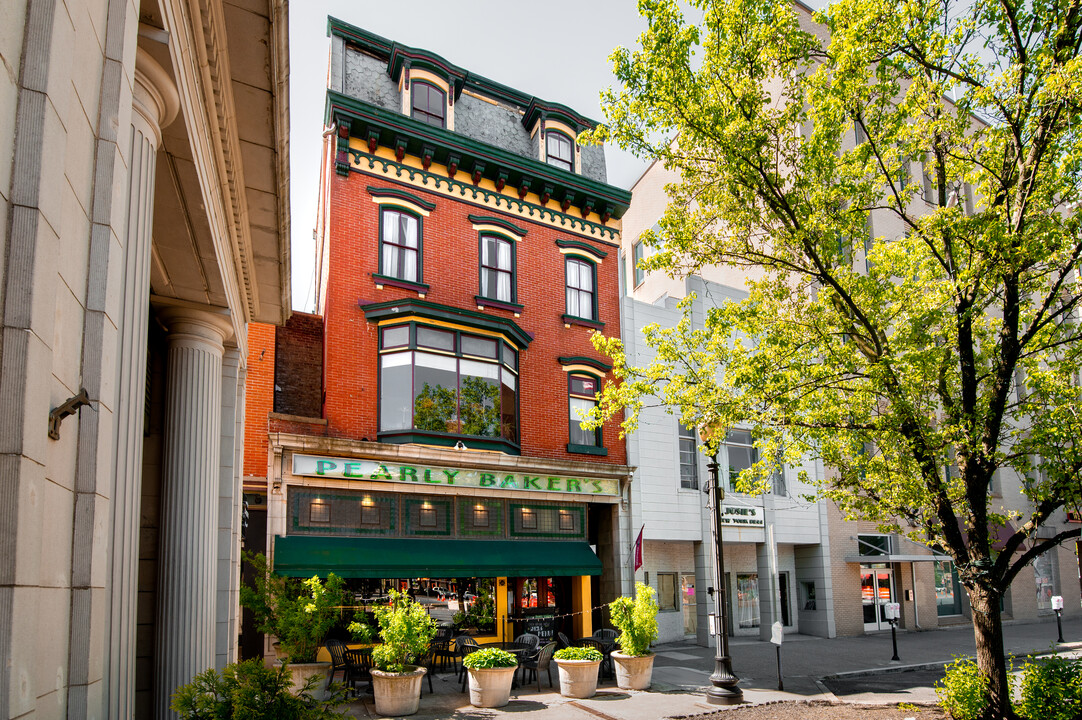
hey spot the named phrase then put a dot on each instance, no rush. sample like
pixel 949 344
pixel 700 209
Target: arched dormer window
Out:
pixel 428 103
pixel 559 150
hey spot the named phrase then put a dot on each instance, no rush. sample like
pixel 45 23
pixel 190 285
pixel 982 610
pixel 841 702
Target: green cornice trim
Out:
pixel 505 224
pixel 586 247
pixel 404 309
pixel 384 48
pixel 582 360
pixel 471 192
pixel 401 195
pixel 473 442
pixel 391 129
pixel 403 56
pixel 587 449
pixel 539 108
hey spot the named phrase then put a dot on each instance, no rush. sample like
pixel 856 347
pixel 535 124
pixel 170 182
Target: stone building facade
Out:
pixel 145 217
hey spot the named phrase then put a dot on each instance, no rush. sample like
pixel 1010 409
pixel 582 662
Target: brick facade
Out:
pixel 298 367
pixel 259 401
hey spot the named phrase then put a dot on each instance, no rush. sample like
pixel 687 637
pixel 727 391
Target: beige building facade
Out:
pixel 145 220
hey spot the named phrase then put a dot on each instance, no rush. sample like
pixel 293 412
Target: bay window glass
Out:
pixel 580 289
pixel 449 383
pixel 497 268
pixel 582 399
pixel 400 245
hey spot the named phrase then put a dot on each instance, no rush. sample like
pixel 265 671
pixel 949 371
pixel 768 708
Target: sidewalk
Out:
pixel 859 669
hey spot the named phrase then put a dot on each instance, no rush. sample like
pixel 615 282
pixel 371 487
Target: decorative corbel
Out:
pixel 452 165
pixel 341 155
pixel 427 151
pixel 523 188
pixel 478 171
pixel 606 214
pixel 501 180
pixel 400 148
pixel 546 193
pixel 566 202
pixel 373 140
pixel 587 207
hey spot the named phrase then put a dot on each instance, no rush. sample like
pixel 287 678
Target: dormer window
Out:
pixel 559 150
pixel 428 103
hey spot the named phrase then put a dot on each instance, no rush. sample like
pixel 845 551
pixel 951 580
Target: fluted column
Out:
pixel 188 539
pixel 154 105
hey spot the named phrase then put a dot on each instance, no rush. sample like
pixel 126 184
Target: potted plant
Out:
pixel 491 672
pixel 637 622
pixel 406 630
pixel 578 671
pixel 297 613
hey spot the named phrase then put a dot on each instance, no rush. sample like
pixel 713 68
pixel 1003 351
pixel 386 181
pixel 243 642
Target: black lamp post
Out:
pixel 724 690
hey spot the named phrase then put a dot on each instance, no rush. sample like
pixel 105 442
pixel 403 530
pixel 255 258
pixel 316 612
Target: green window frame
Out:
pixel 498 264
pixel 401 245
pixel 560 150
pixel 582 390
pixel 428 103
pixel 580 281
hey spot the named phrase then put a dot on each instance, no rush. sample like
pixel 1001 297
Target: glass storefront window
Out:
pixel 948 596
pixel 747 600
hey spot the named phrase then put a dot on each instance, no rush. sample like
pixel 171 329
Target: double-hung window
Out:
pixel 582 398
pixel 497 268
pixel 428 103
pixel 559 150
pixel 581 289
pixel 400 245
pixel 742 454
pixel 689 462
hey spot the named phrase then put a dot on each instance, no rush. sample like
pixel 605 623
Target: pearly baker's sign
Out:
pixel 353 469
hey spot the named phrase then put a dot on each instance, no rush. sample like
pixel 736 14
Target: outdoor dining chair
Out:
pixel 339 662
pixel 464 645
pixel 535 664
pixel 604 669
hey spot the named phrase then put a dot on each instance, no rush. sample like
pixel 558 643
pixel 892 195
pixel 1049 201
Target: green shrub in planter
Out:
pixel 963 692
pixel 253 691
pixel 636 620
pixel 489 658
pixel 1050 689
pixel 579 653
pixel 406 630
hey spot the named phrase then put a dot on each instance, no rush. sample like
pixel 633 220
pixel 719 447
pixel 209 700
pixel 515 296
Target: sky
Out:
pixel 557 51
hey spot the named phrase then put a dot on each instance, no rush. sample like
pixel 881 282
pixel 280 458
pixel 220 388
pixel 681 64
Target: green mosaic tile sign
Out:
pixel 497 482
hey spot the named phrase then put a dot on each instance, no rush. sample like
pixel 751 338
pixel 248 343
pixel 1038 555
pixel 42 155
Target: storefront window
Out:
pixel 1043 575
pixel 948 596
pixel 747 600
pixel 666 592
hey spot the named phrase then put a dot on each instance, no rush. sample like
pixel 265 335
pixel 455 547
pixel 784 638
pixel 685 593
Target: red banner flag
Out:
pixel 638 549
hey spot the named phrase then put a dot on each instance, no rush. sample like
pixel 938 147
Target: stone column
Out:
pixel 154 105
pixel 187 547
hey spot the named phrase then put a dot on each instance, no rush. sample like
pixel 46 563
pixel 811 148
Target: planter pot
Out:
pixel 397 693
pixel 491 687
pixel 302 671
pixel 578 678
pixel 633 673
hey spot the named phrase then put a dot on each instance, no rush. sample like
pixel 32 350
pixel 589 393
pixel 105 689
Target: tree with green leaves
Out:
pixel 899 180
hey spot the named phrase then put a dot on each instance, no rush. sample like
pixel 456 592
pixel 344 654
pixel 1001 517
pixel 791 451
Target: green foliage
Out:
pixel 1050 689
pixel 250 690
pixel 636 620
pixel 480 407
pixel 489 658
pixel 482 611
pixel 361 631
pixel 963 692
pixel 406 630
pixel 435 409
pixel 917 359
pixel 298 613
pixel 579 653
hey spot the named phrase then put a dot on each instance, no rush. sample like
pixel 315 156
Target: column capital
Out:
pixel 205 326
pixel 154 95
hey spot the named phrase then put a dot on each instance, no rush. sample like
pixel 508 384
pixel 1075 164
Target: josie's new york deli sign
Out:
pixel 352 469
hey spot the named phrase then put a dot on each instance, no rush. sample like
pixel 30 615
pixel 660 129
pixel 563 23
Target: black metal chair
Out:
pixel 604 668
pixel 360 667
pixel 564 642
pixel 536 663
pixel 426 661
pixel 339 662
pixel 529 639
pixel 606 635
pixel 443 652
pixel 464 645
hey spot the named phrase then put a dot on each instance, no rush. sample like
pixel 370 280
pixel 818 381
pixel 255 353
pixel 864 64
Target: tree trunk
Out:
pixel 988 634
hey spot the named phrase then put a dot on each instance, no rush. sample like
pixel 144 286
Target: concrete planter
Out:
pixel 491 687
pixel 633 673
pixel 397 693
pixel 578 678
pixel 302 671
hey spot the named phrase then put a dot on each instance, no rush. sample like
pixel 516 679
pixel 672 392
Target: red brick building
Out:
pixel 422 429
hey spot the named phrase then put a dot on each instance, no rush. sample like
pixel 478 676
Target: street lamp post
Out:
pixel 724 690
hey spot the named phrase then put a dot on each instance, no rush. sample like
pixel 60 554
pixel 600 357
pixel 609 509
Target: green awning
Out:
pixel 307 555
